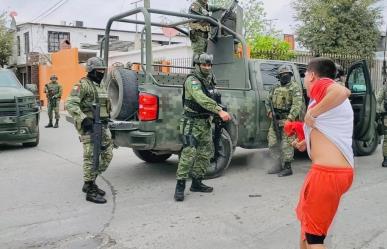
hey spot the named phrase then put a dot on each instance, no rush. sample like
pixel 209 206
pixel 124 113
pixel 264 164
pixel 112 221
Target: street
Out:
pixel 42 205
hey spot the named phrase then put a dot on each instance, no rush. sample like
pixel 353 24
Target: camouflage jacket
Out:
pixel 83 95
pixel 381 99
pixel 194 92
pixel 287 99
pixel 53 90
pixel 200 8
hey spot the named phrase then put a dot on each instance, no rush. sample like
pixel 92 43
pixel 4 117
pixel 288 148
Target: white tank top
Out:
pixel 337 125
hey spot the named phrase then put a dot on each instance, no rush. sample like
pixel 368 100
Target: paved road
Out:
pixel 42 206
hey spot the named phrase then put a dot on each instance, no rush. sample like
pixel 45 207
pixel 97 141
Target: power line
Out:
pixel 49 10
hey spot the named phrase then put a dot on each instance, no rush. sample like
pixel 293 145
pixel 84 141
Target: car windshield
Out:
pixel 8 79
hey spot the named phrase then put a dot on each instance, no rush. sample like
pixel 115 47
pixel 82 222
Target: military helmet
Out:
pixel 285 69
pixel 203 59
pixel 94 63
pixel 53 77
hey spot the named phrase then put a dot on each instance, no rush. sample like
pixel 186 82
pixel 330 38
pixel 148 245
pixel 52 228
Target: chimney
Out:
pixel 79 24
pixel 63 23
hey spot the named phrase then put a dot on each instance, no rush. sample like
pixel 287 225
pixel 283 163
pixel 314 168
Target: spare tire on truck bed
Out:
pixel 122 86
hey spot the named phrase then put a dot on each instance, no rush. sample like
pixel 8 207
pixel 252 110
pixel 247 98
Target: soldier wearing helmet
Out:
pixel 199 30
pixel 53 92
pixel 88 91
pixel 195 126
pixel 287 102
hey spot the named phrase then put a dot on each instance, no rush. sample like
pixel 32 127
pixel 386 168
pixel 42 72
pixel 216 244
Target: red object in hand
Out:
pixel 295 128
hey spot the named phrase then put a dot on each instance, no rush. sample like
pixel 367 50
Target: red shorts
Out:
pixel 320 197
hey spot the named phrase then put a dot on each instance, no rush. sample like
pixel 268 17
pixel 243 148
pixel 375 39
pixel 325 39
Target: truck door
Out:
pixel 363 101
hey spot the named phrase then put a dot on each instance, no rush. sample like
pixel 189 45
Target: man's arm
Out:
pixel 336 94
pixel 194 87
pixel 60 92
pixel 73 104
pixel 296 103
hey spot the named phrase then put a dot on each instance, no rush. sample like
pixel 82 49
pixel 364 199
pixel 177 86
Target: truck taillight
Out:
pixel 148 106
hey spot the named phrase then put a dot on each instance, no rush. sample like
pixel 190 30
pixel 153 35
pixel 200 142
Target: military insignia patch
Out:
pixel 76 90
pixel 195 85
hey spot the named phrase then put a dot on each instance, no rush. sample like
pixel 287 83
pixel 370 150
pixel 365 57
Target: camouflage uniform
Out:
pixel 287 103
pixel 199 30
pixel 53 92
pixel 195 128
pixel 79 105
pixel 381 99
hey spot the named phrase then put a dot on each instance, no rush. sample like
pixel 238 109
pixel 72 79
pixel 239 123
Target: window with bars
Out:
pixel 55 38
pixel 18 45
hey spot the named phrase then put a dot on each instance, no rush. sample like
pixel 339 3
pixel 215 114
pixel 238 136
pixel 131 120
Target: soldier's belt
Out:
pixel 197 115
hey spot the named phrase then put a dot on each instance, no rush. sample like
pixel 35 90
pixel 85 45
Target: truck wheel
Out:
pixel 365 148
pixel 150 157
pixel 221 163
pixel 33 144
pixel 122 86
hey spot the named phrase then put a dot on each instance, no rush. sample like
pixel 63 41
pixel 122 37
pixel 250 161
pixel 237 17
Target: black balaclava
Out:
pixel 95 76
pixel 285 78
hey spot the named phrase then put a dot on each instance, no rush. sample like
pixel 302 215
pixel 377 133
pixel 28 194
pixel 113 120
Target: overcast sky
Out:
pixel 95 13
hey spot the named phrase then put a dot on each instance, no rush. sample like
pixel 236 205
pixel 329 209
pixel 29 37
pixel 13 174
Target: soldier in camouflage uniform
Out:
pixel 53 92
pixel 85 93
pixel 199 30
pixel 287 102
pixel 381 99
pixel 195 126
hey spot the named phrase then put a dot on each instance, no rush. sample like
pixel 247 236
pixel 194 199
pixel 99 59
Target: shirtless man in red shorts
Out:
pixel 328 132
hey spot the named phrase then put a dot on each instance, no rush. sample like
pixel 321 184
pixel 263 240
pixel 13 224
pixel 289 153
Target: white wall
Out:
pixel 163 52
pixel 38 34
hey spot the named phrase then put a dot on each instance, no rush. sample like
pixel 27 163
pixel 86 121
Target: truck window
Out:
pixel 7 79
pixel 356 81
pixel 269 74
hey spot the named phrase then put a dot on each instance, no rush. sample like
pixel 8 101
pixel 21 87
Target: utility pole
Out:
pixel 135 5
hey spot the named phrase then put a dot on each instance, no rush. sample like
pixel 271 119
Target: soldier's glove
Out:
pixel 87 125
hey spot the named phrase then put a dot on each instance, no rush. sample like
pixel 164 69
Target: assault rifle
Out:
pixel 96 136
pixel 276 126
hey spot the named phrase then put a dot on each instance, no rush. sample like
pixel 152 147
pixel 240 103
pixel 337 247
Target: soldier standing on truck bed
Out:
pixel 195 126
pixel 199 30
pixel 53 92
pixel 381 99
pixel 286 101
pixel 85 94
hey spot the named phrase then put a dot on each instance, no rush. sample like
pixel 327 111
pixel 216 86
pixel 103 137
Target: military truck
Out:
pixel 147 105
pixel 19 111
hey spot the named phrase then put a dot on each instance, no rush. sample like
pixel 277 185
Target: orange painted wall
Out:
pixel 65 65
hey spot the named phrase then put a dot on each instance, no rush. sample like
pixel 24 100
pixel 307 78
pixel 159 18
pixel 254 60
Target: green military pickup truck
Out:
pixel 147 105
pixel 19 112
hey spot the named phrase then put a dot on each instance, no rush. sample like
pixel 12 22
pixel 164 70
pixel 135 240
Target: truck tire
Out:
pixel 220 164
pixel 362 148
pixel 122 86
pixel 150 157
pixel 33 144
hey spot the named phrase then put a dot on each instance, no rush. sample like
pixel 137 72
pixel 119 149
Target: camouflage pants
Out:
pixel 105 158
pixel 196 159
pixel 53 106
pixel 198 42
pixel 284 149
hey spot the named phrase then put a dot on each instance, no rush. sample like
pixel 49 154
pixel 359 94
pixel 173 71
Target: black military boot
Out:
pixel 93 196
pixel 49 124
pixel 384 164
pixel 56 125
pixel 198 186
pixel 87 185
pixel 287 170
pixel 179 191
pixel 276 167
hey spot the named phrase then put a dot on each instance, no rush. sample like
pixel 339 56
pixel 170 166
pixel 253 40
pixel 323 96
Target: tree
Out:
pixel 338 26
pixel 268 47
pixel 253 16
pixel 6 41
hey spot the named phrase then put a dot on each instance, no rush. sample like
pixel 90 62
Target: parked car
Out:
pixel 19 112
